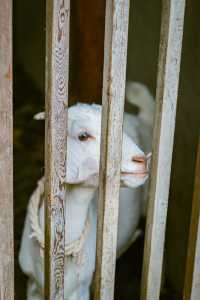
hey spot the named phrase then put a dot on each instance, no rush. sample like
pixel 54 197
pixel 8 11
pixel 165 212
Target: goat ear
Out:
pixel 39 116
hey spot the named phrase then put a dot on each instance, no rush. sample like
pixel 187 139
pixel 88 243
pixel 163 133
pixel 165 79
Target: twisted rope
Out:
pixel 75 248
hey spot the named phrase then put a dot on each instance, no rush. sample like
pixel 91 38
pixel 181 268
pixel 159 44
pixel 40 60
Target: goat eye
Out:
pixel 84 136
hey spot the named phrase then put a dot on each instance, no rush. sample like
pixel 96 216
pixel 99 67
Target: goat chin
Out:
pixel 129 181
pixel 82 192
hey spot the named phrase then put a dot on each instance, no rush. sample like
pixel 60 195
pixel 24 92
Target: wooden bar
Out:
pixel 6 154
pixel 166 100
pixel 115 53
pixel 192 277
pixel 57 57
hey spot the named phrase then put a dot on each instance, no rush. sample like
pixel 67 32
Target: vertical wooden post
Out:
pixel 6 154
pixel 115 53
pixel 166 99
pixel 57 47
pixel 192 277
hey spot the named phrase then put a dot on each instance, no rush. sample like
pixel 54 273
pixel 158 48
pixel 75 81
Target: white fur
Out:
pixel 81 192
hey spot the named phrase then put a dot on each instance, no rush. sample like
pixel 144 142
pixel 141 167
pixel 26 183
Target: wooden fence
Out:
pixel 57 46
pixel 6 155
pixel 57 66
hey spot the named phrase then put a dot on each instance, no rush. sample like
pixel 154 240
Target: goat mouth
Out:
pixel 138 174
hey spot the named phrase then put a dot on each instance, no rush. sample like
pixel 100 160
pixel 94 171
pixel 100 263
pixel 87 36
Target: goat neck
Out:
pixel 78 200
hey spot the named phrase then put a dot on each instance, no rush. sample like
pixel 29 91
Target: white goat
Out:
pixel 83 152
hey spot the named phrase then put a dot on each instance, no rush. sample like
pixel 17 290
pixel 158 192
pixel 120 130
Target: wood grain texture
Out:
pixel 57 47
pixel 166 99
pixel 115 53
pixel 6 154
pixel 192 276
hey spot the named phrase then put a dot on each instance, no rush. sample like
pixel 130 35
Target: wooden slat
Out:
pixel 57 47
pixel 166 98
pixel 115 52
pixel 192 277
pixel 6 154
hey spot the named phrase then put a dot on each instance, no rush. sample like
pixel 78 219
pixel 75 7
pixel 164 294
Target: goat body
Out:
pixel 84 130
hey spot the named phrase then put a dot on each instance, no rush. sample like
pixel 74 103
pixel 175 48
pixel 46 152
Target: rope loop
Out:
pixel 75 248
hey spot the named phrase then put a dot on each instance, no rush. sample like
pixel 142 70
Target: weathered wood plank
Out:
pixel 192 277
pixel 6 154
pixel 115 52
pixel 57 47
pixel 166 98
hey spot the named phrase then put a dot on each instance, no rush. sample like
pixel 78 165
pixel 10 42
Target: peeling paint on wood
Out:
pixel 6 154
pixel 166 99
pixel 57 47
pixel 115 53
pixel 192 277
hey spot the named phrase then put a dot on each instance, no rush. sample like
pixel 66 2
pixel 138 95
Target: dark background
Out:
pixel 86 58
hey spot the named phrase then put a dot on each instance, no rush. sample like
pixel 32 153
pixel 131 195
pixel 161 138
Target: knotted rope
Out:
pixel 75 248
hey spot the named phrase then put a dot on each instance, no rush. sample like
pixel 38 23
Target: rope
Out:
pixel 75 248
